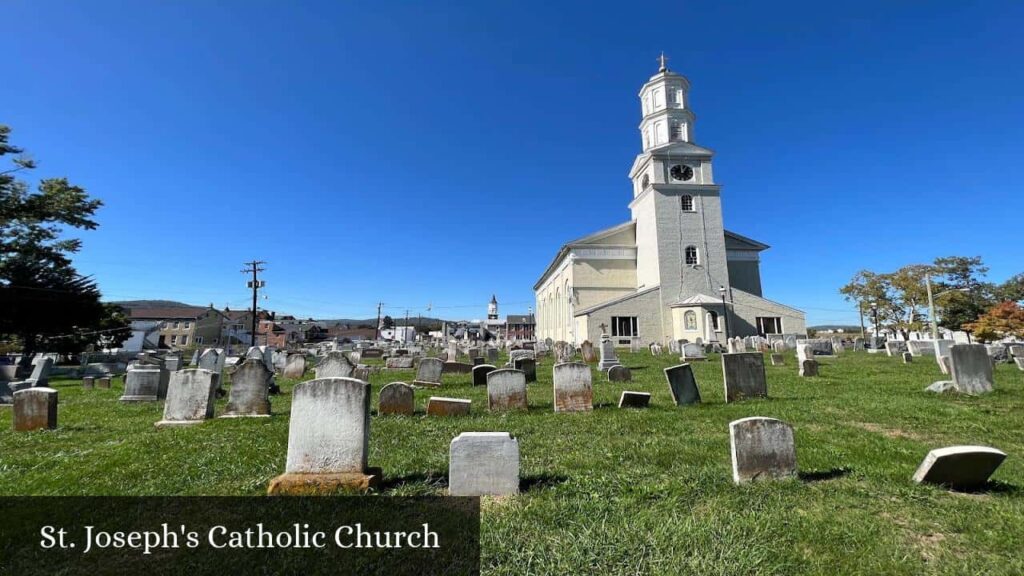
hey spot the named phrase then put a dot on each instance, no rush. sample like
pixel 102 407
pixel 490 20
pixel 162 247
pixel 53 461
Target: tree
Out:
pixel 387 323
pixel 40 292
pixel 1012 290
pixel 963 296
pixel 1002 320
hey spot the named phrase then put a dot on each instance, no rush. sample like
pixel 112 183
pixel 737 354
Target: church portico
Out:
pixel 663 274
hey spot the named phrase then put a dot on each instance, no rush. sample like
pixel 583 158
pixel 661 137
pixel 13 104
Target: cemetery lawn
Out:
pixel 621 491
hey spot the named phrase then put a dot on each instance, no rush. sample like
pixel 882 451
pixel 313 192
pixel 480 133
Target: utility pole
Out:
pixel 254 268
pixel 379 305
pixel 405 333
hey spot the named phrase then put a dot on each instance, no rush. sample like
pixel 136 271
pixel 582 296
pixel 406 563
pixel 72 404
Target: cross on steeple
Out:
pixel 662 63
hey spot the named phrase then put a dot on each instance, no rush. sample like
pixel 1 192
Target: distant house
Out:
pixel 399 333
pixel 176 327
pixel 520 327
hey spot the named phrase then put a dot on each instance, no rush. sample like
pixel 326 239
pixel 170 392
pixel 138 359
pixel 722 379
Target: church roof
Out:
pixel 618 300
pixel 588 239
pixel 740 242
pixel 696 300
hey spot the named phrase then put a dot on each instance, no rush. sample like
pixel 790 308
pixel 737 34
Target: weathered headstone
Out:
pixel 608 357
pixel 692 351
pixel 908 357
pixel 587 352
pixel 804 352
pixel 428 373
pixel 396 399
pixel 88 382
pixel 209 360
pixel 142 385
pixel 573 388
pixel 190 397
pixel 35 409
pixel 483 464
pixel 809 368
pixel 970 368
pixel 399 363
pixel 328 438
pixel 528 366
pixel 438 406
pixel 778 360
pixel 631 399
pixel 295 366
pixel 619 373
pixel 762 449
pixel 506 390
pixel 250 389
pixel 334 365
pixel 103 382
pixel 492 355
pixel 682 385
pixel 744 376
pixel 959 467
pixel 480 374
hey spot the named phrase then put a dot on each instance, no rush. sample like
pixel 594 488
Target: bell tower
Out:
pixel 492 308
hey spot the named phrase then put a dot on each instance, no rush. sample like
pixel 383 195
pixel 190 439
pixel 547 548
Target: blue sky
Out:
pixel 441 152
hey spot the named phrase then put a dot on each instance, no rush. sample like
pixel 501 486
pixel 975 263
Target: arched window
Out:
pixel 686 203
pixel 690 320
pixel 691 256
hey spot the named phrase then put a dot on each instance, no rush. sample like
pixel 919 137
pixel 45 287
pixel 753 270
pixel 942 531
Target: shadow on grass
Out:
pixel 991 487
pixel 822 475
pixel 540 482
pixel 432 479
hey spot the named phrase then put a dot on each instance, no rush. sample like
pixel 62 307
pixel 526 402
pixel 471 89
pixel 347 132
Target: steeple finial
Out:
pixel 663 62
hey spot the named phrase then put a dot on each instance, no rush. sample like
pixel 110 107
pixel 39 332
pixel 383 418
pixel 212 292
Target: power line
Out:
pixel 254 268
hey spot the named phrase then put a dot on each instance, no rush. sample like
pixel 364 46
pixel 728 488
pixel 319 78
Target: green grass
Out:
pixel 622 491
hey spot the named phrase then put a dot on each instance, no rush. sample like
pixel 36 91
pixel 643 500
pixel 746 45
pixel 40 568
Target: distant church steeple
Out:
pixel 492 308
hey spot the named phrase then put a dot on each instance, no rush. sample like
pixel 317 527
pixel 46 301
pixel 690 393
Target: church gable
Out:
pixel 734 241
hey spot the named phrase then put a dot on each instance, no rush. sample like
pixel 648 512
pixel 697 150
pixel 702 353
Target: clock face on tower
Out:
pixel 681 172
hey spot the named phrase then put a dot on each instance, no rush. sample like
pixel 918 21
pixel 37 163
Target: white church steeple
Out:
pixel 666 114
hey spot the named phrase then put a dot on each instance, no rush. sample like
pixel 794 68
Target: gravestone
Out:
pixel 970 368
pixel 804 352
pixel 250 389
pixel 88 382
pixel 483 464
pixel 778 360
pixel 295 366
pixel 630 399
pixel 587 352
pixel 682 385
pixel 1015 350
pixel 908 357
pixel 35 409
pixel 334 365
pixel 619 373
pixel 744 376
pixel 921 347
pixel 573 388
pixel 190 397
pixel 480 374
pixel 41 373
pixel 103 382
pixel 762 449
pixel 506 390
pixel 478 361
pixel 399 362
pixel 254 353
pixel 809 368
pixel 655 349
pixel 563 352
pixel 209 360
pixel 438 406
pixel 428 373
pixel 608 357
pixel 195 358
pixel 895 347
pixel 172 362
pixel 372 353
pixel 1019 361
pixel 396 399
pixel 941 387
pixel 492 355
pixel 142 385
pixel 328 438
pixel 528 366
pixel 959 467
pixel 473 353
pixel 693 351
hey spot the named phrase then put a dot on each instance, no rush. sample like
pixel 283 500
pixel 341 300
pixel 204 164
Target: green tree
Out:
pixel 387 323
pixel 40 292
pixel 963 294
pixel 1012 290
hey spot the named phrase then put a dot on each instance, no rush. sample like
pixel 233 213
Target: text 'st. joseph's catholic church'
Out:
pixel 663 274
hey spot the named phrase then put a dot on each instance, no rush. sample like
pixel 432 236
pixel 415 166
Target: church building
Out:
pixel 672 271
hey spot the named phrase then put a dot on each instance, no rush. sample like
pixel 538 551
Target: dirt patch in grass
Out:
pixel 888 432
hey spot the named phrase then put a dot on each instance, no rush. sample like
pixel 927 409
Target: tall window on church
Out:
pixel 686 203
pixel 679 97
pixel 691 256
pixel 690 320
pixel 714 320
pixel 657 99
pixel 659 132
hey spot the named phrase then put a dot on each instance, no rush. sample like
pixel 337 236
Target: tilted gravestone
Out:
pixel 1019 361
pixel 334 365
pixel 438 406
pixel 631 399
pixel 809 368
pixel 970 368
pixel 250 390
pixel 744 376
pixel 483 464
pixel 35 409
pixel 682 385
pixel 959 467
pixel 528 366
pixel 41 373
pixel 762 449
pixel 573 387
pixel 428 373
pixel 506 390
pixel 142 385
pixel 190 397
pixel 480 374
pixel 294 366
pixel 396 399
pixel 328 438
pixel 619 373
